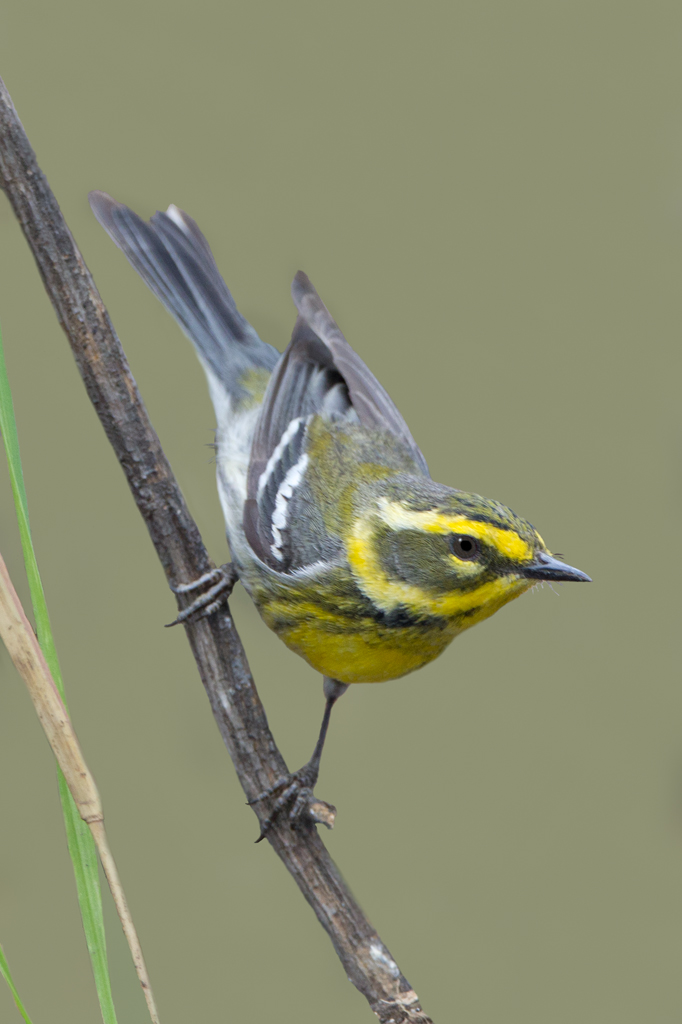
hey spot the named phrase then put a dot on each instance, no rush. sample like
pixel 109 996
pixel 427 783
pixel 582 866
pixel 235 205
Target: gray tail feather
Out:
pixel 174 259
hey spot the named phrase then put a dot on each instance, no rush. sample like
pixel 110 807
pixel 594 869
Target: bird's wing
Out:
pixel 319 374
pixel 374 407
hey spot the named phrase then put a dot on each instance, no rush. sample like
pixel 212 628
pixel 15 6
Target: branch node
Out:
pixel 322 813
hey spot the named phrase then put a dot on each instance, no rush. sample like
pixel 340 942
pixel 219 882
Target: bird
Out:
pixel 359 561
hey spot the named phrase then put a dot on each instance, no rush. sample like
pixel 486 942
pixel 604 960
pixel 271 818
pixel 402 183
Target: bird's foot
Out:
pixel 296 792
pixel 222 582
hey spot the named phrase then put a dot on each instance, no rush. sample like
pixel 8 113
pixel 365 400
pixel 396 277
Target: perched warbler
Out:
pixel 352 554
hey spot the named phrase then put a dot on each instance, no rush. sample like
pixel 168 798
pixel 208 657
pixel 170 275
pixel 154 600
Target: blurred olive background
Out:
pixel 488 197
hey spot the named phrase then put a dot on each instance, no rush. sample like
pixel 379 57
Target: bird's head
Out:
pixel 424 551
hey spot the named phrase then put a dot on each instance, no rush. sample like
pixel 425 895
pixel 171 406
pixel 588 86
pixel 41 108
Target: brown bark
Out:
pixel 215 643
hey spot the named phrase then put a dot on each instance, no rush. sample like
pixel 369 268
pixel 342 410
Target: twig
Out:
pixel 25 652
pixel 215 643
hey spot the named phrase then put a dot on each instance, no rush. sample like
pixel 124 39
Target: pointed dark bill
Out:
pixel 547 567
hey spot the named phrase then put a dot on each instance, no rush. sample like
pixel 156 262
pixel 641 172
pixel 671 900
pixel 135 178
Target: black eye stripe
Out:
pixel 464 546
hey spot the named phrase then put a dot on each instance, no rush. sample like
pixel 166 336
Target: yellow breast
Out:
pixel 370 654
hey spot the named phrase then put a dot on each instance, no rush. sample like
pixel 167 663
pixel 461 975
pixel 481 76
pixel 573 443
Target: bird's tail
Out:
pixel 174 259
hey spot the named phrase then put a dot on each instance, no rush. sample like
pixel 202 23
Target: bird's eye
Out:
pixel 464 547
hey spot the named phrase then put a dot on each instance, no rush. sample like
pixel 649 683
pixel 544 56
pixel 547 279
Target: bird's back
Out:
pixel 270 409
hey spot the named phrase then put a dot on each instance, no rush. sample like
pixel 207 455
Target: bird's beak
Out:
pixel 547 567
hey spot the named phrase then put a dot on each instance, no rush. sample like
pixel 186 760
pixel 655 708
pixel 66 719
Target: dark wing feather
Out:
pixel 175 261
pixel 318 374
pixel 370 400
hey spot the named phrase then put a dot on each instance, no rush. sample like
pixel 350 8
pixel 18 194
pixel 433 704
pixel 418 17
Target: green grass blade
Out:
pixel 84 859
pixel 4 970
pixel 8 428
pixel 80 842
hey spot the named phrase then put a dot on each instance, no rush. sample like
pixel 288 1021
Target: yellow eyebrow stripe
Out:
pixel 507 542
pixel 389 593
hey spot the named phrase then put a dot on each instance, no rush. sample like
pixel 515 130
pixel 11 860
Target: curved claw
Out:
pixel 282 781
pixel 223 580
pixel 292 790
pixel 297 791
pixel 212 576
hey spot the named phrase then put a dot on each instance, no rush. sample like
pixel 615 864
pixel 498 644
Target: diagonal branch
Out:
pixel 215 643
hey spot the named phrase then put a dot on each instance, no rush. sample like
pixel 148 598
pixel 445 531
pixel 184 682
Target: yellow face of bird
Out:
pixel 458 558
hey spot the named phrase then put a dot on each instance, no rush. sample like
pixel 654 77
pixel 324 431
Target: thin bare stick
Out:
pixel 111 871
pixel 25 652
pixel 215 643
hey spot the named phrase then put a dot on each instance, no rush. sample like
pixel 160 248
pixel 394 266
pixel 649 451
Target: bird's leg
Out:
pixel 297 788
pixel 223 580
